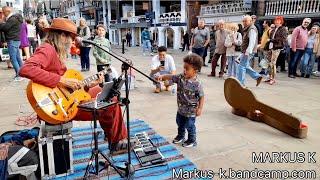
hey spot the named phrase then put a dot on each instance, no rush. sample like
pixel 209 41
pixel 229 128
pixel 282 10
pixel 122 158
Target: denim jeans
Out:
pixel 84 57
pixel 146 44
pixel 3 169
pixel 199 51
pixel 232 66
pixel 318 69
pixel 294 61
pixel 186 123
pixel 307 61
pixel 14 53
pixel 214 63
pixel 244 67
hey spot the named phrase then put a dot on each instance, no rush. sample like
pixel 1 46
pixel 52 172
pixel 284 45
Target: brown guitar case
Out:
pixel 244 103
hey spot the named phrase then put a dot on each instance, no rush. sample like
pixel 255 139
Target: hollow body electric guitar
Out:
pixel 244 103
pixel 59 105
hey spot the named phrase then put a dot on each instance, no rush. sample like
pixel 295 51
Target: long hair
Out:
pixel 54 38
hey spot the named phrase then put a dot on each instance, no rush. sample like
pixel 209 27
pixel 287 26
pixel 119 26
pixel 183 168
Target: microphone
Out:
pixel 89 42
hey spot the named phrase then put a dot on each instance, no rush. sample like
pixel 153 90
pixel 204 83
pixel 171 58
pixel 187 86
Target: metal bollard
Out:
pixel 123 40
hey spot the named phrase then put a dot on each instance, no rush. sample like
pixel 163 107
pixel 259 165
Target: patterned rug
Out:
pixel 82 139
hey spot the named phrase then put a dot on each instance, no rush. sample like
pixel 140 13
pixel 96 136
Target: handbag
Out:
pixel 266 47
pixel 4 54
pixel 264 63
pixel 5 50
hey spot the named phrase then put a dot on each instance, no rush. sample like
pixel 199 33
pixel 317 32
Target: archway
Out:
pixel 155 36
pixel 181 33
pixel 169 37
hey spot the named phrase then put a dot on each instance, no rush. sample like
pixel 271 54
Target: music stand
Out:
pixel 95 152
pixel 126 64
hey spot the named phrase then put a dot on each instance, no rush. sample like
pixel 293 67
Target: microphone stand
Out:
pixel 129 169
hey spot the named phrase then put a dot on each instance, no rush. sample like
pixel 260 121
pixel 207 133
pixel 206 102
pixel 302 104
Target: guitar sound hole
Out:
pixel 70 90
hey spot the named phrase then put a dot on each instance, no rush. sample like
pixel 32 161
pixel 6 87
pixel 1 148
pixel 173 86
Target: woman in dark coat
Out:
pixel 277 40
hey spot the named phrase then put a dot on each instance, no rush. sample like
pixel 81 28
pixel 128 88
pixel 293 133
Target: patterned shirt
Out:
pixel 102 58
pixel 189 93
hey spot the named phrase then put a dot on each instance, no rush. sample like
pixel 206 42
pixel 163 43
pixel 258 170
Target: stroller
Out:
pixel 154 47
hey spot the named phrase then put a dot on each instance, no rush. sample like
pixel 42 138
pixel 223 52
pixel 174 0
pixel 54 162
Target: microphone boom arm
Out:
pixel 123 61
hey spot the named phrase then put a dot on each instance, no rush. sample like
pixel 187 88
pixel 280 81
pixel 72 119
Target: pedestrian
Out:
pixel 186 41
pixel 146 41
pixel 299 40
pixel 200 40
pixel 212 42
pixel 248 48
pixel 32 37
pixel 277 42
pixel 11 29
pixel 311 51
pixel 103 59
pixel 220 51
pixel 24 41
pixel 263 51
pixel 162 63
pixel 84 33
pixel 233 44
pixel 3 43
pixel 128 38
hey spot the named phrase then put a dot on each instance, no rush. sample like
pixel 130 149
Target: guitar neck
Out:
pixel 94 77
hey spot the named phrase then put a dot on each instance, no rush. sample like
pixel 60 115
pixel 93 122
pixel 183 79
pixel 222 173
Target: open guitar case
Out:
pixel 244 103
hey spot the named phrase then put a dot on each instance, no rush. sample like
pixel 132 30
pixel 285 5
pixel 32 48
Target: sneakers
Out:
pixel 316 73
pixel 189 143
pixel 178 139
pixel 18 79
pixel 259 80
pixel 157 90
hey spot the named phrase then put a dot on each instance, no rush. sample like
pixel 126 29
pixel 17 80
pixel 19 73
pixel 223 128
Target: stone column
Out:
pixel 156 9
pixel 183 11
pixel 133 35
pixel 193 12
pixel 161 36
pixel 133 8
pixel 176 37
pixel 104 12
pixel 261 8
pixel 109 17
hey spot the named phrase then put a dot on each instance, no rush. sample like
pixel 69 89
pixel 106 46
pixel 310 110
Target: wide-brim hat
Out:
pixel 63 24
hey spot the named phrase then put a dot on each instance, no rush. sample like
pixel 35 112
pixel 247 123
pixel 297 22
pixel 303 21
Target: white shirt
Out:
pixel 31 30
pixel 169 65
pixel 252 40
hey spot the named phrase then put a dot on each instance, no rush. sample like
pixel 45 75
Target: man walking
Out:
pixel 220 51
pixel 200 40
pixel 299 41
pixel 11 29
pixel 146 43
pixel 128 38
pixel 248 48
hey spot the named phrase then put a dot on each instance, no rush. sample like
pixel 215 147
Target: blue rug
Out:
pixel 82 138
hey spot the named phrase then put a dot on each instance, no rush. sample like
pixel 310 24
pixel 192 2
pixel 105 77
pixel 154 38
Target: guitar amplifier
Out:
pixel 55 153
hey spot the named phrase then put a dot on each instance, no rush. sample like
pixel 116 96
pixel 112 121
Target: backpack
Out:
pixel 19 136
